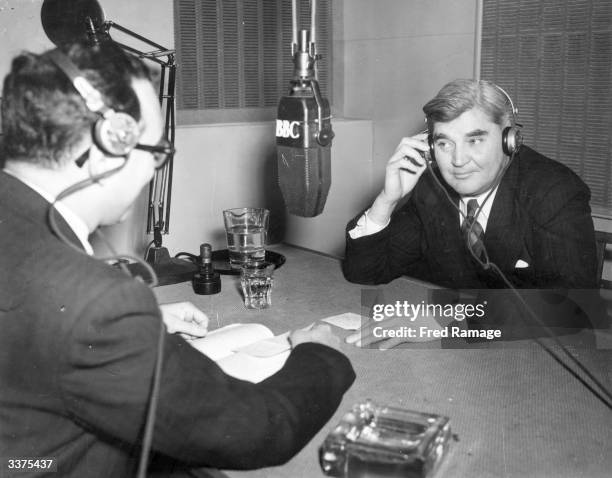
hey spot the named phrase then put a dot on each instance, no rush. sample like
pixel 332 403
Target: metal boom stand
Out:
pixel 83 21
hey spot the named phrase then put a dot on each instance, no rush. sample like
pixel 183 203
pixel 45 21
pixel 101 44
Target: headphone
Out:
pixel 512 138
pixel 114 132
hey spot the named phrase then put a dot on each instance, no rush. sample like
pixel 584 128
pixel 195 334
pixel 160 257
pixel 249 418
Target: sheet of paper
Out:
pixel 347 321
pixel 252 369
pixel 222 342
pixel 267 347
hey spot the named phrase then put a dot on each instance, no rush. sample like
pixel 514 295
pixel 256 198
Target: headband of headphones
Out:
pixel 115 133
pixel 510 102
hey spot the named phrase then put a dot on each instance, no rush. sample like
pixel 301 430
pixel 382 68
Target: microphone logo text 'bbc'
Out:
pixel 287 129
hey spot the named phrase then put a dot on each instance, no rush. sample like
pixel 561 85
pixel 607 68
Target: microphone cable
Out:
pixel 156 383
pixel 603 394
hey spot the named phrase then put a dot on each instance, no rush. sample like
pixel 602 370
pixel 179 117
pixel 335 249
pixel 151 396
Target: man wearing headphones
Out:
pixel 530 215
pixel 79 339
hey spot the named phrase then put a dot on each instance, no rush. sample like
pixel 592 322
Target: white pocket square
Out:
pixel 521 264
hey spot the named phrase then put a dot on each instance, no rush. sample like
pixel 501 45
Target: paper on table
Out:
pixel 250 368
pixel 224 341
pixel 267 347
pixel 347 321
pixel 245 351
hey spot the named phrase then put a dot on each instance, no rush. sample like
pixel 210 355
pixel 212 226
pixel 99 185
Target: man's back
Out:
pixel 76 363
pixel 47 301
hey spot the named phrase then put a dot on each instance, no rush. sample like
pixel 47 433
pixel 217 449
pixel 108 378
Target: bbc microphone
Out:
pixel 304 136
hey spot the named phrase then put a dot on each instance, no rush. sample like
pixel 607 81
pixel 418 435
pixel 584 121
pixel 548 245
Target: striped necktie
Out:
pixel 472 230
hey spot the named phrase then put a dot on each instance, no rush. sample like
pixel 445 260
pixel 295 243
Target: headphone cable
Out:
pixel 156 383
pixel 607 395
pixel 487 264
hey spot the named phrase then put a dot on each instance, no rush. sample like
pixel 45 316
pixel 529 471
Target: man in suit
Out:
pixel 79 339
pixel 530 224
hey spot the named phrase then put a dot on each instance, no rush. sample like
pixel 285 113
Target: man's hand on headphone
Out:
pixel 403 171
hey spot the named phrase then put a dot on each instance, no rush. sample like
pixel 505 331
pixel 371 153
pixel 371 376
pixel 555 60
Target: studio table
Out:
pixel 514 411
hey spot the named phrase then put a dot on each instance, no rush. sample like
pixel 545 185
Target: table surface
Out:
pixel 514 411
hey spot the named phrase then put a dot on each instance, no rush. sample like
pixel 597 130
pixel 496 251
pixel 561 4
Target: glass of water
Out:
pixel 246 229
pixel 256 281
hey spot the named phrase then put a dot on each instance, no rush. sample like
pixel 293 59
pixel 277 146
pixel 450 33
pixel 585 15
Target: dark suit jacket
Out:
pixel 77 351
pixel 540 215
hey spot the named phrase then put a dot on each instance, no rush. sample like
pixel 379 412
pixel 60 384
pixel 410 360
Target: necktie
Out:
pixel 472 230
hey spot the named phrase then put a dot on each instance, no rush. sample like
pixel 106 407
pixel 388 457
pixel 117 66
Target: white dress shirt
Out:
pixel 485 209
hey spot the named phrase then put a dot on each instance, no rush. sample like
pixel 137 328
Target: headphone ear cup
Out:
pixel 116 134
pixel 512 139
pixel 430 142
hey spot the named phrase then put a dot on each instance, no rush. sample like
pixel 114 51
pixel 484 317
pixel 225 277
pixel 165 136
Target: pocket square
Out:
pixel 521 264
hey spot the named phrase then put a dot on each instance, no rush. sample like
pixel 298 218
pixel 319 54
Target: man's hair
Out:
pixel 44 117
pixel 459 96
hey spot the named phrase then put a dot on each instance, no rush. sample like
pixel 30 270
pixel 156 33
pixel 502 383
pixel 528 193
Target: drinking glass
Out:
pixel 246 229
pixel 256 281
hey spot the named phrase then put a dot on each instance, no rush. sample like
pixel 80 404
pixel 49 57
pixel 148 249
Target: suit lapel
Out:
pixel 27 203
pixel 452 264
pixel 503 237
pixel 442 216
